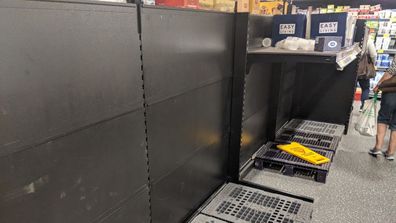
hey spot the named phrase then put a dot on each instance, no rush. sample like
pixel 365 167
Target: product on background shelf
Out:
pixel 149 2
pixel 392 43
pixel 272 7
pixel 382 14
pixel 315 11
pixel 386 42
pixel 372 24
pixel 364 9
pixel 375 8
pixel 378 64
pixel 354 12
pixel 363 12
pixel 393 29
pixel 323 10
pixel 254 6
pixel 384 61
pixel 330 9
pixel 378 43
pixel 178 3
pixel 368 16
pixel 386 34
pixel 218 5
pixel 224 5
pixel 191 4
pixel 384 56
pixel 340 9
pixel 388 14
pixel 206 4
pixel 384 27
pixel 242 5
pixel 302 11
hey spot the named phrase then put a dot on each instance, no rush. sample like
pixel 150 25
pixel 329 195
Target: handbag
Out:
pixel 366 68
pixel 388 85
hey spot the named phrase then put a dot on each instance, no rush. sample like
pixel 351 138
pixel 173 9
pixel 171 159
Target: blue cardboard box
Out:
pixel 332 24
pixel 288 25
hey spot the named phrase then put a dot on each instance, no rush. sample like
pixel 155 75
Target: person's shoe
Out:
pixel 389 157
pixel 360 110
pixel 375 152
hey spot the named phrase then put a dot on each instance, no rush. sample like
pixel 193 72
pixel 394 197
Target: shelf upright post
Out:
pixel 237 94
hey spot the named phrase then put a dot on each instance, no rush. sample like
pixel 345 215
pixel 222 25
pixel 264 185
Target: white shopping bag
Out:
pixel 367 122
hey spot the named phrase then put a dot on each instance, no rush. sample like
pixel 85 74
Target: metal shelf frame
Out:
pixel 241 59
pixel 284 65
pixel 280 60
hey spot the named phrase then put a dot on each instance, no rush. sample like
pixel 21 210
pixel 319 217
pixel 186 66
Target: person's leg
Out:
pixel 392 144
pixel 381 131
pixel 392 125
pixel 365 86
pixel 384 118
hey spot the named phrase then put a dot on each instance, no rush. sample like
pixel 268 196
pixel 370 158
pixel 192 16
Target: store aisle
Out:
pixel 359 188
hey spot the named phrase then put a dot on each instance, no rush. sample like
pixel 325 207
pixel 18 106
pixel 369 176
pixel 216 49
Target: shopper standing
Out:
pixel 386 118
pixel 368 48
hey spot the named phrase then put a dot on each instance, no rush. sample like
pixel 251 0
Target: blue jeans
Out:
pixel 387 113
pixel 365 86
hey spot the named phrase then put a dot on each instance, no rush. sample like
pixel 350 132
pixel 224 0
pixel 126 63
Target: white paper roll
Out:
pixel 267 42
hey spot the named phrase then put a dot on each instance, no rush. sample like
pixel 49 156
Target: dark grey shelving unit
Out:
pixel 302 95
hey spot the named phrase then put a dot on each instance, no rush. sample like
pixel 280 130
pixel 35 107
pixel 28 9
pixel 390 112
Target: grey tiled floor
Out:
pixel 359 188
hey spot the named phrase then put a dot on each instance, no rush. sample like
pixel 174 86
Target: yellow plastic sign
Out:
pixel 380 51
pixel 304 153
